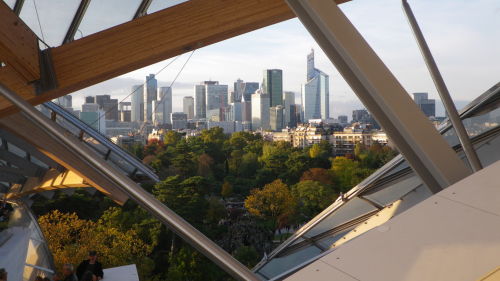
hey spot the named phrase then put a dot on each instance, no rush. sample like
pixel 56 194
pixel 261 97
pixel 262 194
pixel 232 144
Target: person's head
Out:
pixel 3 274
pixel 92 256
pixel 68 269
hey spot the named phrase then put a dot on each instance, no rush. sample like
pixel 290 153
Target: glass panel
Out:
pixel 97 146
pixel 394 190
pixel 102 15
pixel 279 265
pixel 10 3
pixel 16 150
pixel 120 162
pixel 327 242
pixel 354 208
pixel 489 150
pixel 411 199
pixel 67 125
pixel 55 18
pixel 157 5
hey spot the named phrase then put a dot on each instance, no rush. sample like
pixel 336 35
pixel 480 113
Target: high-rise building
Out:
pixel 216 100
pixel 102 99
pixel 124 109
pixel 428 106
pixel 260 111
pixel 276 118
pixel 90 107
pixel 150 95
pixel 295 112
pixel 343 119
pixel 273 85
pixel 178 120
pixel 234 112
pixel 93 116
pixel 137 114
pixel 200 101
pixel 162 107
pixel 249 90
pixel 111 110
pixel 188 106
pixel 65 101
pixel 89 99
pixel 288 102
pixel 360 115
pixel 315 93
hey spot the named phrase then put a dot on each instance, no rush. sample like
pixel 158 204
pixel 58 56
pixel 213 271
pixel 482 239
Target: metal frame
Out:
pixel 111 146
pixel 75 23
pixel 18 7
pixel 173 221
pixel 462 135
pixel 425 150
pixel 143 8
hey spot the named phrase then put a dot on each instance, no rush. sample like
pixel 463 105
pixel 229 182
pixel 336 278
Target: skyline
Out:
pixel 461 42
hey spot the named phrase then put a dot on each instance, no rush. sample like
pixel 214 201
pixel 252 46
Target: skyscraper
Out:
pixel 273 85
pixel 260 110
pixel 216 99
pixel 200 101
pixel 288 101
pixel 65 101
pixel 239 89
pixel 315 93
pixel 188 106
pixel 249 90
pixel 428 106
pixel 162 107
pixel 89 99
pixel 149 96
pixel 137 114
pixel 276 118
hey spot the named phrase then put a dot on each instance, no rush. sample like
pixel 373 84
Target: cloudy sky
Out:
pixel 462 34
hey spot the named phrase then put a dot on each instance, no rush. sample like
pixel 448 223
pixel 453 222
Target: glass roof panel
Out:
pixel 354 208
pixel 55 18
pixel 102 15
pixel 10 3
pixel 279 265
pixel 392 191
pixel 157 5
pixel 327 242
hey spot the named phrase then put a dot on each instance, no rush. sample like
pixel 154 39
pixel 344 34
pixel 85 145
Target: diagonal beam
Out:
pixel 143 8
pixel 20 162
pixel 420 143
pixel 18 7
pixel 75 23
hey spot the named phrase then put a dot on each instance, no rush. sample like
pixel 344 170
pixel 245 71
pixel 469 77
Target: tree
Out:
pixel 205 163
pixel 227 190
pixel 313 196
pixel 70 238
pixel 247 255
pixel 274 202
pixel 321 175
pixel 348 173
pixel 172 138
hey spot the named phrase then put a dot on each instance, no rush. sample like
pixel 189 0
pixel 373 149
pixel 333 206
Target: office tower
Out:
pixel 295 112
pixel 178 120
pixel 428 106
pixel 249 90
pixel 65 101
pixel 200 101
pixel 163 106
pixel 89 99
pixel 288 102
pixel 315 93
pixel 149 96
pixel 137 114
pixel 90 107
pixel 360 115
pixel 124 109
pixel 110 108
pixel 343 119
pixel 188 106
pixel 216 99
pixel 273 85
pixel 260 111
pixel 239 90
pixel 246 109
pixel 234 112
pixel 276 118
pixel 102 99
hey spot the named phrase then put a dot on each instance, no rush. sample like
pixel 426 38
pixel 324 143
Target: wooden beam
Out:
pixel 150 39
pixel 18 45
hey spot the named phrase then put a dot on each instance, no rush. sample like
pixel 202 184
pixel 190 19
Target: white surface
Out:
pixel 121 273
pixel 453 235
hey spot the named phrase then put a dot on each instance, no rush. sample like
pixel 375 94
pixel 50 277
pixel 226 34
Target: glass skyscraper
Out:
pixel 315 93
pixel 273 85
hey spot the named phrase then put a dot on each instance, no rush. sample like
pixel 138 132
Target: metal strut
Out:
pixel 449 106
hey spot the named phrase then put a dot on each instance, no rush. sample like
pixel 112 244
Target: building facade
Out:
pixel 137 113
pixel 276 122
pixel 150 95
pixel 260 111
pixel 315 93
pixel 188 106
pixel 273 86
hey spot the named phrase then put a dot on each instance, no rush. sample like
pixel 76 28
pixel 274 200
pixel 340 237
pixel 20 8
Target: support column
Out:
pixel 420 143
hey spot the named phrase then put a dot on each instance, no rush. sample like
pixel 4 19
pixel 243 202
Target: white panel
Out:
pixel 320 271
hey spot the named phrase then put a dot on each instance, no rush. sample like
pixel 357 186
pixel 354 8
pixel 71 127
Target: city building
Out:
pixel 125 111
pixel 150 95
pixel 272 85
pixel 343 119
pixel 162 107
pixel 276 120
pixel 216 100
pixel 178 120
pixel 228 127
pixel 89 99
pixel 188 107
pixel 65 101
pixel 246 109
pixel 308 134
pixel 94 119
pixel 200 105
pixel 428 106
pixel 137 114
pixel 90 107
pixel 260 111
pixel 315 93
pixel 234 112
pixel 288 103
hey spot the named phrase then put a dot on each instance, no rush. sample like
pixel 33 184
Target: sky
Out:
pixel 462 34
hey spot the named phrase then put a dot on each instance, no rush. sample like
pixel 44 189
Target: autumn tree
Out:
pixel 321 175
pixel 70 239
pixel 274 202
